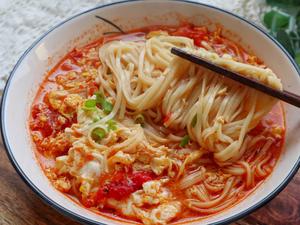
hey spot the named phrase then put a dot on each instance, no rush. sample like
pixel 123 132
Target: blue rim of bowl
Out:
pixel 85 220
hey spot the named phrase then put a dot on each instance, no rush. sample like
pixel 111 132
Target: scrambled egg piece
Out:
pixel 153 193
pixel 84 165
pixel 121 157
pixel 56 145
pixel 161 206
pixel 160 215
pixel 64 102
pixel 159 164
pixel 62 184
pixel 90 170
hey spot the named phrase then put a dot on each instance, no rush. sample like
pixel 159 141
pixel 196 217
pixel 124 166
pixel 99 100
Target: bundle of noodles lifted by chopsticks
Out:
pixel 217 113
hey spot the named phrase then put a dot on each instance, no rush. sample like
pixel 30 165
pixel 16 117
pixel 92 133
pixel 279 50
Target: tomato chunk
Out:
pixel 47 121
pixel 122 184
pixel 92 87
pixel 196 33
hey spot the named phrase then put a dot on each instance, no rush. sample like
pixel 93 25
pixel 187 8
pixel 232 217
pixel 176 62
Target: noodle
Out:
pixel 219 102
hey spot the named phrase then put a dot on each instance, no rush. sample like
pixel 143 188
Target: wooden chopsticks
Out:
pixel 286 96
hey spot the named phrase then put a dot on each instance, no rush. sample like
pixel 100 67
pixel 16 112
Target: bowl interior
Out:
pixel 85 27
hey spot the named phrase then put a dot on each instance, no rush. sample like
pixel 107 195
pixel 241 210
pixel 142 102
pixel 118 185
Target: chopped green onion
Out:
pixel 105 105
pixel 96 119
pixel 90 104
pixel 184 141
pixel 140 119
pixel 98 134
pixel 194 121
pixel 112 125
pixel 99 97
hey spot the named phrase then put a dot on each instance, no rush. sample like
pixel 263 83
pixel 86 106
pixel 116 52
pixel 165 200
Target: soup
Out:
pixel 138 134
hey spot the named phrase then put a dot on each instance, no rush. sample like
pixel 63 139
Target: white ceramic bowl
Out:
pixel 30 69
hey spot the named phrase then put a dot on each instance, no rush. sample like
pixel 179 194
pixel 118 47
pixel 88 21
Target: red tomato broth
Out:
pixel 71 63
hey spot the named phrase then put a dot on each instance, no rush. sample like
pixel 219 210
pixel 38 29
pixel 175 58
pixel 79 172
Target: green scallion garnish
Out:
pixel 89 104
pixel 184 141
pixel 98 134
pixel 111 124
pixel 99 97
pixel 106 106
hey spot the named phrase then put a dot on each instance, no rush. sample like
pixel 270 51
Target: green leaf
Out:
pixel 297 19
pixel 295 40
pixel 294 35
pixel 284 24
pixel 112 125
pixel 275 20
pixel 194 121
pixel 284 39
pixel 89 104
pixel 184 141
pixel 297 58
pixel 98 134
pixel 283 3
